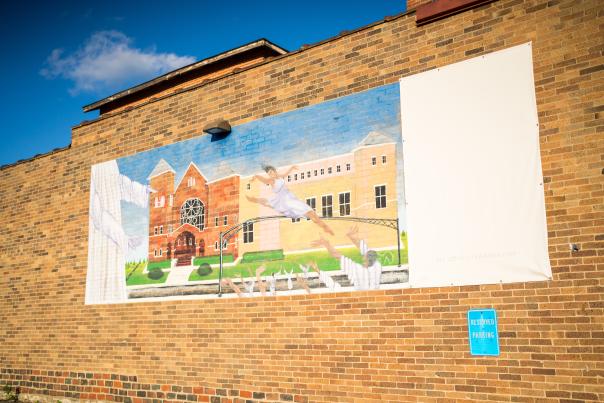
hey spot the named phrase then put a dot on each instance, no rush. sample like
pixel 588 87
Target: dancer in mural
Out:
pixel 366 276
pixel 284 201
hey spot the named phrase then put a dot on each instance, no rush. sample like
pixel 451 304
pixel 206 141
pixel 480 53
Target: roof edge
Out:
pixel 35 157
pixel 185 69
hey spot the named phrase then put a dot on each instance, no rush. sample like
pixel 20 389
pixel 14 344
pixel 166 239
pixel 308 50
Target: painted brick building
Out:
pixel 384 345
pixel 187 217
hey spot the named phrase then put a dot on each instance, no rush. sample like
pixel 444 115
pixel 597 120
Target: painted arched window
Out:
pixel 192 212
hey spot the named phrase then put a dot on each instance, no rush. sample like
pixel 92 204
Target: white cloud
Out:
pixel 108 61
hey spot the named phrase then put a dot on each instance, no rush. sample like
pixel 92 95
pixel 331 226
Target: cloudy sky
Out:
pixel 59 56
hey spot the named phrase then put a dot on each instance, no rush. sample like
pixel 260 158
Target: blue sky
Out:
pixel 59 56
pixel 319 131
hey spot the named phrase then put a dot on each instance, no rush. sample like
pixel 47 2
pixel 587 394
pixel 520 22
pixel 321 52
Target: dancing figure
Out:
pixel 284 201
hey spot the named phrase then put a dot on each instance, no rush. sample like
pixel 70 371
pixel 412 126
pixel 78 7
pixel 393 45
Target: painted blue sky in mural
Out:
pixel 319 131
pixel 305 134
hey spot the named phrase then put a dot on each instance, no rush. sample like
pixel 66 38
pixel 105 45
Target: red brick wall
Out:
pixel 220 198
pixel 399 345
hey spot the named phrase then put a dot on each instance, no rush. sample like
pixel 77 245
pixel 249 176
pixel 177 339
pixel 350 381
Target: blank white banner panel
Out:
pixel 473 181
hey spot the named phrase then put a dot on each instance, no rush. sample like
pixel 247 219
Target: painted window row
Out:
pixel 316 172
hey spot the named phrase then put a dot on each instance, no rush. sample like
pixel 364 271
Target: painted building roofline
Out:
pixel 383 140
pixel 191 164
pixel 260 43
pixel 161 168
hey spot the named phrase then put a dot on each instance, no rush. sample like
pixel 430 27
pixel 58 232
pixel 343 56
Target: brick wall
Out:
pixel 413 4
pixel 397 345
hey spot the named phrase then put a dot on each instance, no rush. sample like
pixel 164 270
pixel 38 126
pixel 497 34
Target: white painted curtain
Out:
pixel 107 242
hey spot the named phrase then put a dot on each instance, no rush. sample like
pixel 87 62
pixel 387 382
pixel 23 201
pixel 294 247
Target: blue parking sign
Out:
pixel 482 332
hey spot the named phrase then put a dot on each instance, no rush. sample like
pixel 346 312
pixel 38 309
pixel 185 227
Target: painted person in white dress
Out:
pixel 284 201
pixel 366 276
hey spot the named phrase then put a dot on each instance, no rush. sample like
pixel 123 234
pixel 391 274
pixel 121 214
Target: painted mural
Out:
pixel 304 202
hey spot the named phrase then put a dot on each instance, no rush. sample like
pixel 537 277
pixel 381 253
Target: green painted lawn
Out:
pixel 140 278
pixel 273 263
pixel 164 264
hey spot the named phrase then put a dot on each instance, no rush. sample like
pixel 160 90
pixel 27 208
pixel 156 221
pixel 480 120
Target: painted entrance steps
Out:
pixel 179 275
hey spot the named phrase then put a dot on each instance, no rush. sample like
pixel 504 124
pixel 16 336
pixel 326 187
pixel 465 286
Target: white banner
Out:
pixel 473 181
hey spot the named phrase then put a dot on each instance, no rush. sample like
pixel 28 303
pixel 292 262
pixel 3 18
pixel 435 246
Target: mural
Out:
pixel 303 202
